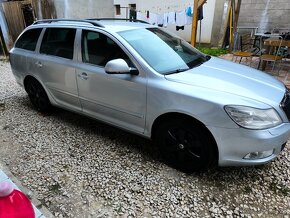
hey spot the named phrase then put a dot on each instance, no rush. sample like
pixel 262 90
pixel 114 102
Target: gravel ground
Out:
pixel 79 167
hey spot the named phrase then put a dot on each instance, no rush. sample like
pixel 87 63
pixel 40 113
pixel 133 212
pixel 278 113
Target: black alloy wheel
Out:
pixel 38 96
pixel 185 145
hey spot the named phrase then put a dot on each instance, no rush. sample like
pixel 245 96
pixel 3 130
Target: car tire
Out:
pixel 186 145
pixel 38 96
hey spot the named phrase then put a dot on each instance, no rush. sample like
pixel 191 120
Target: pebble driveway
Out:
pixel 78 167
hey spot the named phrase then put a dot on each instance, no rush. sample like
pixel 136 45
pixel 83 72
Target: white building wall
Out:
pixel 162 6
pixel 84 9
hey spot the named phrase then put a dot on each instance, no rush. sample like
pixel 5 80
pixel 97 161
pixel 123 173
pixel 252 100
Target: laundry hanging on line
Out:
pixel 180 18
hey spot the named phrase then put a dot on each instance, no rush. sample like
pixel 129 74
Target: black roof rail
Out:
pixel 120 19
pixel 95 23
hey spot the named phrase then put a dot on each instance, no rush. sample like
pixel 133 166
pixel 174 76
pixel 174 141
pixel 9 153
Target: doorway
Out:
pixel 28 14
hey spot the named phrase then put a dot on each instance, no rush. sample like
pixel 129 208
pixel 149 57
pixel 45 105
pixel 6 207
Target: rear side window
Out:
pixel 58 42
pixel 28 40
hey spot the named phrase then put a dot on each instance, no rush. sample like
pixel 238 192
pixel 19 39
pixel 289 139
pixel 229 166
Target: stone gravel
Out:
pixel 79 167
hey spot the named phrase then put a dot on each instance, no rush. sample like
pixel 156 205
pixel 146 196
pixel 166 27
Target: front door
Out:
pixel 116 99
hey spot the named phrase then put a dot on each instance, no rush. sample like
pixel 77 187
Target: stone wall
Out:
pixel 265 14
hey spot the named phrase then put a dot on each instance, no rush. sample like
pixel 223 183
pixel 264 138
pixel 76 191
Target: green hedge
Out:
pixel 212 51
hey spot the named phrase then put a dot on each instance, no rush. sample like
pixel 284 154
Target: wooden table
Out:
pixel 274 42
pixel 260 37
pixel 271 44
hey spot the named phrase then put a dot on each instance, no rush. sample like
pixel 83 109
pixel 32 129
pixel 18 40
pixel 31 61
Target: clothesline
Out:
pixel 180 17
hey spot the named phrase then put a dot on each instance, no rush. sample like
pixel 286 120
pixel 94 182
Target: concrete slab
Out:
pixel 3 176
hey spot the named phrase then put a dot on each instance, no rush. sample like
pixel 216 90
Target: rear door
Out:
pixel 54 66
pixel 23 49
pixel 116 99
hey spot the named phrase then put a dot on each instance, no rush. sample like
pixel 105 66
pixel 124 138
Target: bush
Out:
pixel 213 51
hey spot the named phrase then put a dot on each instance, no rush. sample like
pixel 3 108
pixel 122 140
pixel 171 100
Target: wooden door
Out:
pixel 14 17
pixel 44 9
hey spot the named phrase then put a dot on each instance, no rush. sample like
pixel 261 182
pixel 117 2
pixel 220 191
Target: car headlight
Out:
pixel 253 118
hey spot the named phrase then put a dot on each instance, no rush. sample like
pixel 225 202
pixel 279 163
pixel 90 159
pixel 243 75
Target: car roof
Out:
pixel 117 26
pixel 108 24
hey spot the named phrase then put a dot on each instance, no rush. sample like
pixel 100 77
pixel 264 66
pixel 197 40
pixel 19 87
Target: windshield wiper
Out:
pixel 176 71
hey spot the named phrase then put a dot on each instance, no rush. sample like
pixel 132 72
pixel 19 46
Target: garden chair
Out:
pixel 274 58
pixel 244 47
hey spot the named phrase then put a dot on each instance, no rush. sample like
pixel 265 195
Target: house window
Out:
pixel 118 9
pixel 132 6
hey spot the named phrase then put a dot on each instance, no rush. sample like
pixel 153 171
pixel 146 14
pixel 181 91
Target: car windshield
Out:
pixel 164 52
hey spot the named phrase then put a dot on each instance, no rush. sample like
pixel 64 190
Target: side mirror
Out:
pixel 119 66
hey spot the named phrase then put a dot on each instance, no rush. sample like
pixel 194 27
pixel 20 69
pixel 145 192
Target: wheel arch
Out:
pixel 29 78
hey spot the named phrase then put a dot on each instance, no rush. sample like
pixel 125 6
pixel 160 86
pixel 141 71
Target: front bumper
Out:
pixel 235 144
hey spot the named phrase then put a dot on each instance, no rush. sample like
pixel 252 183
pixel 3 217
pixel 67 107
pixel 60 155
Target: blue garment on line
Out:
pixel 188 11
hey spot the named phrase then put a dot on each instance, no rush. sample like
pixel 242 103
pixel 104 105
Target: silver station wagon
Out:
pixel 199 110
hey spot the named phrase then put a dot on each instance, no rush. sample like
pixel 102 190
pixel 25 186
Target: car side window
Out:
pixel 58 42
pixel 98 49
pixel 28 40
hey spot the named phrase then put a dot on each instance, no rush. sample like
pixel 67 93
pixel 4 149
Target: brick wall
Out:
pixel 265 14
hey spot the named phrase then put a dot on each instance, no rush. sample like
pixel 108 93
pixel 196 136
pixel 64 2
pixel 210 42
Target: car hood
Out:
pixel 226 76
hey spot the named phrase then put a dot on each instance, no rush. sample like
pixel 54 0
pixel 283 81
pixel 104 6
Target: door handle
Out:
pixel 38 64
pixel 83 76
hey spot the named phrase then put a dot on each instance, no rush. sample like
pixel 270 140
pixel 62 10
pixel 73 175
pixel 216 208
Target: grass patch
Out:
pixel 213 51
